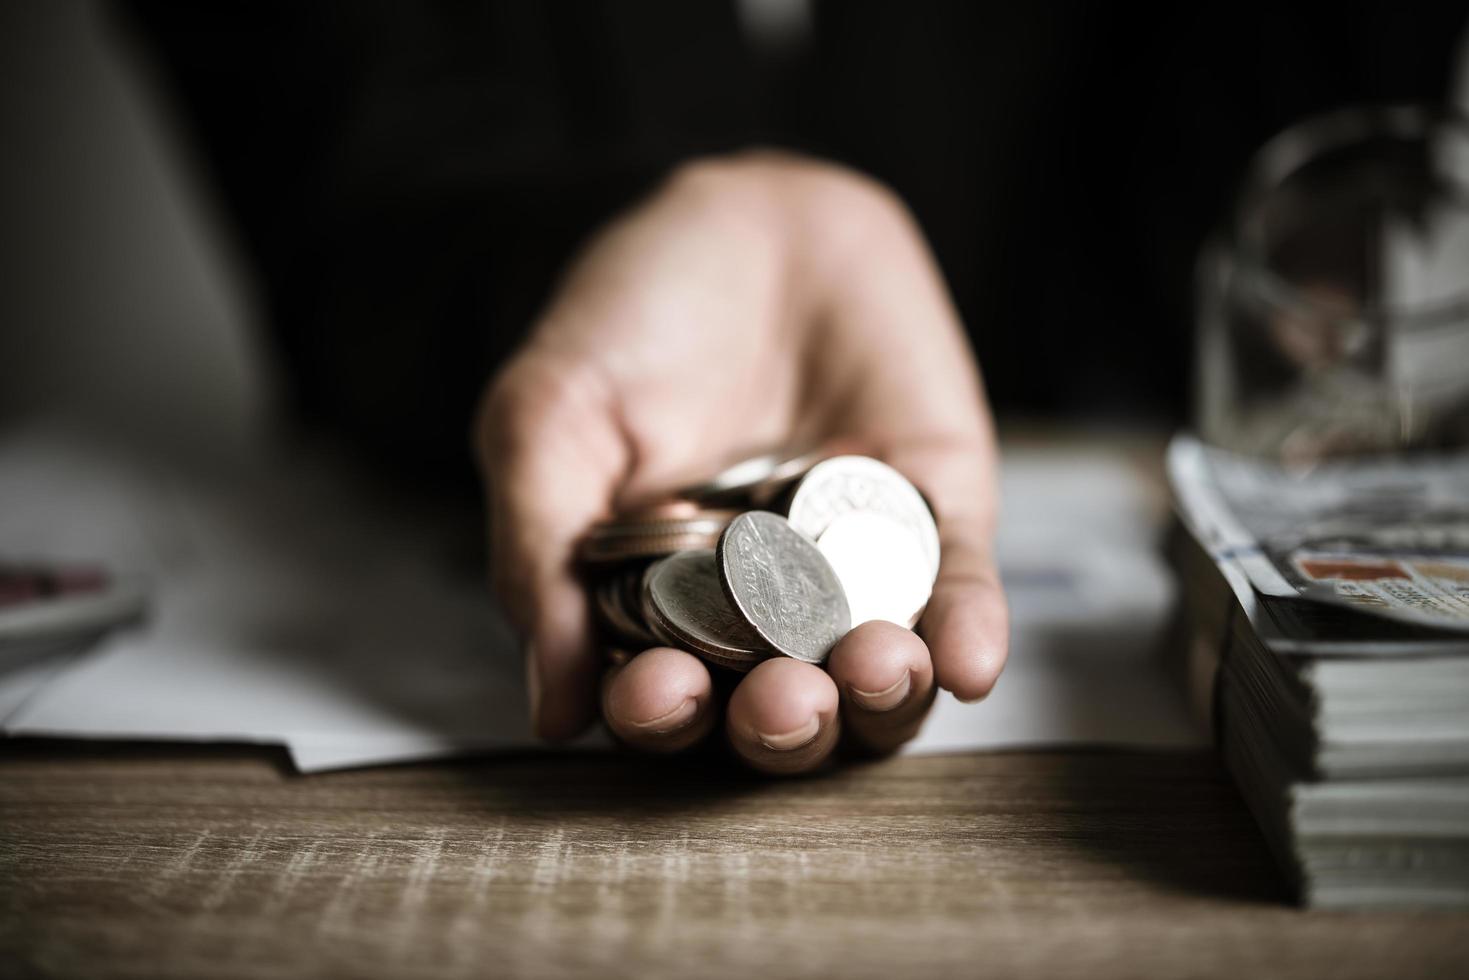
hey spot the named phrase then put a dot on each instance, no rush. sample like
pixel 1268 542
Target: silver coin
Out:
pixel 623 622
pixel 758 478
pixel 733 481
pixel 687 607
pixel 881 565
pixel 842 484
pixel 785 588
pixel 653 532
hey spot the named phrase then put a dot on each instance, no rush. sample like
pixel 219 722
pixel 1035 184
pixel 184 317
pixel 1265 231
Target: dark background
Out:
pixel 407 179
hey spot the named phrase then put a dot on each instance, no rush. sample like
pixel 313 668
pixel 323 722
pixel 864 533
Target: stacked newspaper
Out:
pixel 1329 610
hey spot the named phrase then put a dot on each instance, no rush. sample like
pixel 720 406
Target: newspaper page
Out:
pixel 1381 535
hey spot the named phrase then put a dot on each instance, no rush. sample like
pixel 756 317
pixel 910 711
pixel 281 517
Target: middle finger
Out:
pixel 660 701
pixel 782 718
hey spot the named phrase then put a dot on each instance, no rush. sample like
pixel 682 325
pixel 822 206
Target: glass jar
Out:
pixel 1334 307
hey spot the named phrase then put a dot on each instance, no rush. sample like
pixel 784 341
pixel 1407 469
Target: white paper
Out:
pixel 290 608
pixel 1090 601
pixel 19 682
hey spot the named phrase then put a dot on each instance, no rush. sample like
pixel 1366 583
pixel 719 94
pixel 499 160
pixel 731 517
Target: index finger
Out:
pixel 551 455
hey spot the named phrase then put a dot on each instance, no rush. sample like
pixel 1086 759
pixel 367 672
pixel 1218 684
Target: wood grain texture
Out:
pixel 180 862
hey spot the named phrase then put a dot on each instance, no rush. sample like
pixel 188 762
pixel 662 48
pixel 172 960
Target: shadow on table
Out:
pixel 1083 822
pixel 1170 820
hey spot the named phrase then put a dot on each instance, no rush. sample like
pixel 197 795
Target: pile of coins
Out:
pixel 773 557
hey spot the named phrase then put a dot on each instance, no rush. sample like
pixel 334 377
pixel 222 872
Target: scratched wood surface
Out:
pixel 170 861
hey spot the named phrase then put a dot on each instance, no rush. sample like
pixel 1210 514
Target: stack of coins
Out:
pixel 774 556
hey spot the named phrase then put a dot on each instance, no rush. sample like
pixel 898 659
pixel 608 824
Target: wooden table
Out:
pixel 204 862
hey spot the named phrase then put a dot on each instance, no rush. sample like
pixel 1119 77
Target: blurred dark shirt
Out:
pixel 409 178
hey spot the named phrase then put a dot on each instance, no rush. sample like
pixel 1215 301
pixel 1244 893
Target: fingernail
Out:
pixel 886 699
pixel 970 700
pixel 791 740
pixel 679 717
pixel 533 687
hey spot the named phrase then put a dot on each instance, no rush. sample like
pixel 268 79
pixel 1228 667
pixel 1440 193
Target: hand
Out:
pixel 752 301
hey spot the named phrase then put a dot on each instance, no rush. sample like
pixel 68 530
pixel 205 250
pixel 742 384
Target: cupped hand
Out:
pixel 752 301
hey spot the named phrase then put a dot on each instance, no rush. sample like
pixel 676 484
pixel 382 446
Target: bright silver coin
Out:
pixel 783 586
pixel 763 494
pixel 881 565
pixel 734 481
pixel 689 609
pixel 753 480
pixel 843 484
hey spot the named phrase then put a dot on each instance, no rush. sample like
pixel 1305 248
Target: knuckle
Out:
pixel 723 188
pixel 757 164
pixel 703 172
pixel 509 404
pixel 845 190
pixel 862 209
pixel 532 397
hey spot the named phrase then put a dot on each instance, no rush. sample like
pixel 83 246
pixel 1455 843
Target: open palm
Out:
pixel 753 301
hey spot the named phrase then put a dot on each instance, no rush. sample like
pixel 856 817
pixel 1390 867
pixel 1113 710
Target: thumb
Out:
pixel 966 624
pixel 551 454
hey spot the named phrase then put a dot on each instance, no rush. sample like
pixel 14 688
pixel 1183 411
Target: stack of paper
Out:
pixel 1336 669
